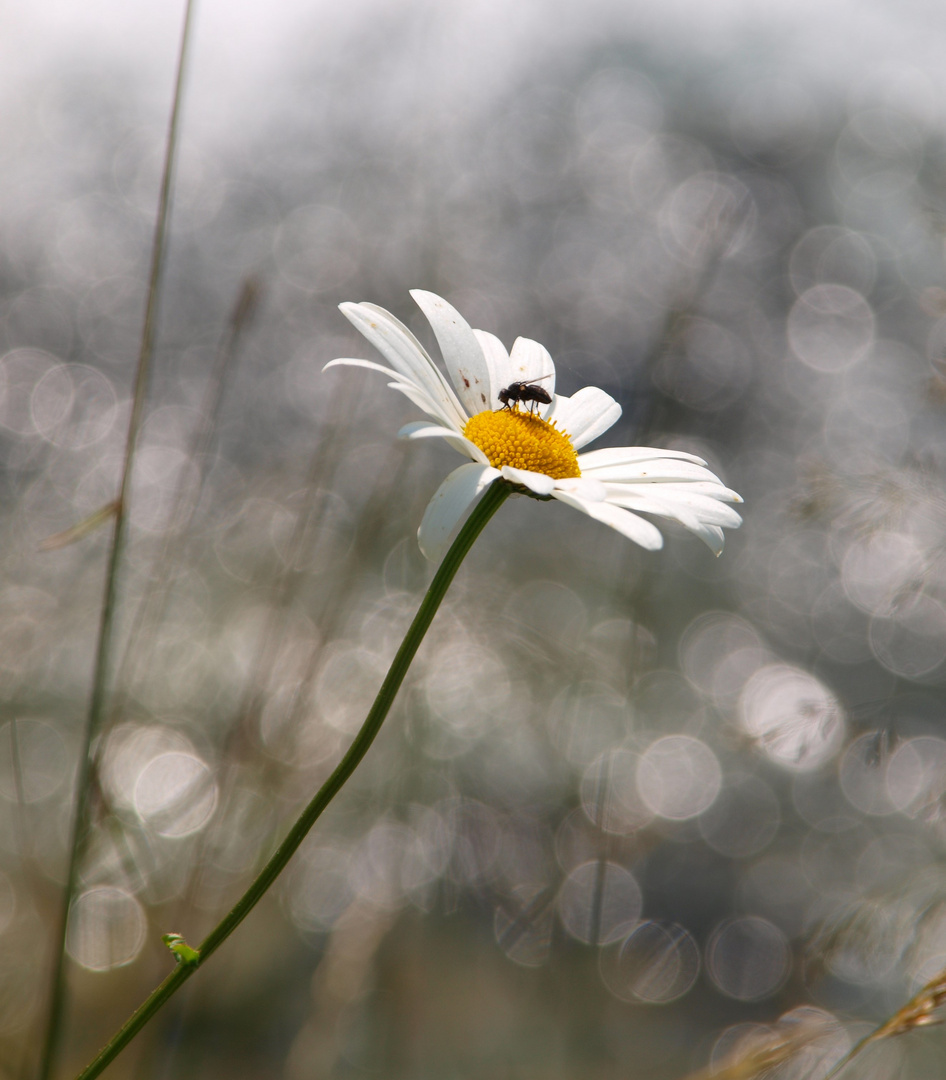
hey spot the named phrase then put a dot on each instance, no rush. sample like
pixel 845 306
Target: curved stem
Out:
pixel 493 498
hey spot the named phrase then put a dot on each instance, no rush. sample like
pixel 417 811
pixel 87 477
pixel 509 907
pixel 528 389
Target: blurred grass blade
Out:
pixel 920 1011
pixel 81 817
pixel 80 530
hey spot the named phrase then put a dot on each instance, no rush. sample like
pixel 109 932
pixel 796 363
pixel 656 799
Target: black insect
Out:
pixel 526 391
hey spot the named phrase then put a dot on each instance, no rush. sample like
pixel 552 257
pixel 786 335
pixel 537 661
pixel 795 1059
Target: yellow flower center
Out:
pixel 524 441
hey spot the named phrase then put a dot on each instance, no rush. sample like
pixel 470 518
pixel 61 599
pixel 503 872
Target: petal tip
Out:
pixel 425 294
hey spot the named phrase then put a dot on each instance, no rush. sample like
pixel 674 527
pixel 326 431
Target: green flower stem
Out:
pixel 495 495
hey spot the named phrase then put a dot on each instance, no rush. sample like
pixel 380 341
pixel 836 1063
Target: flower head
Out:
pixel 502 412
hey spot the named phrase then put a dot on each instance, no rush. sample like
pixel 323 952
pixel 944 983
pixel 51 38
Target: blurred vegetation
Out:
pixel 632 812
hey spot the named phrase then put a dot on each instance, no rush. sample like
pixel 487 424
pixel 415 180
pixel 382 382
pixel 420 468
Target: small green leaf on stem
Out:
pixel 184 953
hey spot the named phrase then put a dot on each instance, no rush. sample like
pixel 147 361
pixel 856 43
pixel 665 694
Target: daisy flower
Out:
pixel 533 445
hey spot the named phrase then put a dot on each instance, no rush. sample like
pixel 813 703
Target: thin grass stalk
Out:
pixel 85 777
pixel 922 1010
pixel 191 960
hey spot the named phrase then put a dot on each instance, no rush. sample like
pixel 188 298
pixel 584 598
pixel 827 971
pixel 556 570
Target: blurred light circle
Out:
pixel 678 777
pixel 250 817
pixel 163 474
pixel 599 902
pixel 912 641
pixel 708 215
pixel 830 254
pixel 523 928
pixel 467 690
pixel 658 167
pixel 744 818
pixel 74 406
pixel 428 851
pixel 548 612
pixel 175 794
pixel 657 963
pixel 609 795
pixel 21 370
pixel 794 719
pixel 830 328
pixel 818 1041
pixel 875 570
pixel 886 862
pixel 879 152
pixel 748 958
pixel 376 864
pixel 869 946
pixel 719 652
pixel 346 685
pixel 738 1042
pixel 129 748
pixel 587 719
pixel 712 371
pixel 862 772
pixel 319 888
pixel 33 760
pixel 575 840
pixel 107 928
pixel 916 776
pixel 887 131
pixel 477 840
pixel 666 701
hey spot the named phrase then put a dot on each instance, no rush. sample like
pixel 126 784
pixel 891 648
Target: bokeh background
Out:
pixel 631 810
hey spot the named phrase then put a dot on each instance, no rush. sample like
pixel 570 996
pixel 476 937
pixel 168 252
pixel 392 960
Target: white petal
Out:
pixel 497 364
pixel 534 481
pixel 585 415
pixel 406 386
pixel 350 361
pixel 448 505
pixel 703 517
pixel 627 524
pixel 405 354
pixel 713 538
pixel 706 509
pixel 531 362
pixel 657 471
pixel 715 490
pixel 420 429
pixel 420 398
pixel 584 487
pixel 624 455
pixel 462 354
